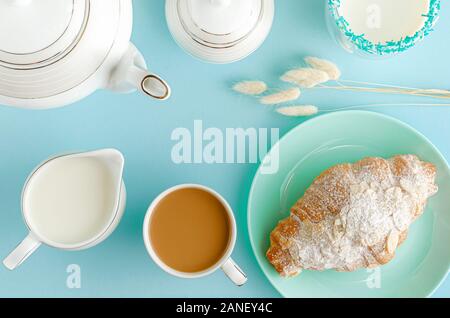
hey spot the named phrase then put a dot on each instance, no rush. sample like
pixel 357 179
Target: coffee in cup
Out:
pixel 190 232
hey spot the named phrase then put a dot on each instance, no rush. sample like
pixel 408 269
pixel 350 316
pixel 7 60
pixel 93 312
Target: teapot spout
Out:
pixel 131 74
pixel 154 86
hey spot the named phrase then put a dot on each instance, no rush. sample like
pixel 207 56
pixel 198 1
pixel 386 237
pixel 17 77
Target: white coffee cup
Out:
pixel 114 161
pixel 230 268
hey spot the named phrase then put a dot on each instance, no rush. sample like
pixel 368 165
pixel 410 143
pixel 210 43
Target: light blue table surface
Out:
pixel 141 129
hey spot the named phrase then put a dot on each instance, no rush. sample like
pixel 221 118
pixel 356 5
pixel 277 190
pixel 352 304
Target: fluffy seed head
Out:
pixel 281 97
pixel 298 111
pixel 324 65
pixel 250 87
pixel 305 77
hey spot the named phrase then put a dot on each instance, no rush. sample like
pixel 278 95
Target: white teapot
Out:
pixel 55 52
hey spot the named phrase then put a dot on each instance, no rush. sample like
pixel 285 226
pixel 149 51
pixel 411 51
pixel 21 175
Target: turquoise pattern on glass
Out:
pixel 390 47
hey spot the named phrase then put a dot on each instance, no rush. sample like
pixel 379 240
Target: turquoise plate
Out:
pixel 421 263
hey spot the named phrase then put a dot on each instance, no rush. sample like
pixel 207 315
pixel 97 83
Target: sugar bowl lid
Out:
pixel 220 31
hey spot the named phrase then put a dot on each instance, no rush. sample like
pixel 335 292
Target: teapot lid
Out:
pixel 220 31
pixel 48 47
pixel 36 32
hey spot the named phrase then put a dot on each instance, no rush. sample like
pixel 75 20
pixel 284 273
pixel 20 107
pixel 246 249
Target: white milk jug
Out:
pixel 71 202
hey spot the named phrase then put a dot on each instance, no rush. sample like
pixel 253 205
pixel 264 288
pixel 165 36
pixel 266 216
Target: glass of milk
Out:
pixel 377 28
pixel 71 202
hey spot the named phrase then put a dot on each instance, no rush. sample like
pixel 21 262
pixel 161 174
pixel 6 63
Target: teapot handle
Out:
pixel 131 73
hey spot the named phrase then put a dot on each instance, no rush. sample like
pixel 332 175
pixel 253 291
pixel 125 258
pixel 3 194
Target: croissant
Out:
pixel 353 216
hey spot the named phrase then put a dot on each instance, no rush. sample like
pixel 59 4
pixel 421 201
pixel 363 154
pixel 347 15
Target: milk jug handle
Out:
pixel 234 272
pixel 21 252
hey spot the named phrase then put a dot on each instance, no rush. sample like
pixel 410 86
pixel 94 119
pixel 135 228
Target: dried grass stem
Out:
pixel 389 89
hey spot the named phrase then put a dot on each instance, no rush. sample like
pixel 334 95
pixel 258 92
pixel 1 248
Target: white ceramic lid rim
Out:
pixel 109 22
pixel 56 50
pixel 224 54
pixel 220 39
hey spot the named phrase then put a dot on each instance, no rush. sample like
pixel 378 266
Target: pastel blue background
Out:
pixel 141 129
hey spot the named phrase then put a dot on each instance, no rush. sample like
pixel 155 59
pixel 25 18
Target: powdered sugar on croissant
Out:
pixel 353 216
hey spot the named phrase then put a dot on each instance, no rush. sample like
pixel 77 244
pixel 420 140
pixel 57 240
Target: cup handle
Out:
pixel 21 252
pixel 234 272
